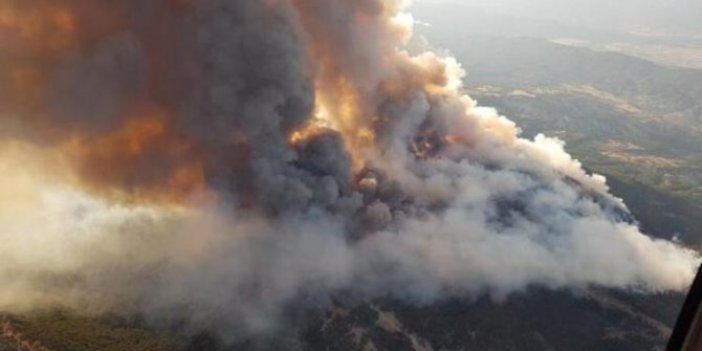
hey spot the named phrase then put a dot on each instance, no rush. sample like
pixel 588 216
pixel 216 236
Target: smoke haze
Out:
pixel 218 160
pixel 659 18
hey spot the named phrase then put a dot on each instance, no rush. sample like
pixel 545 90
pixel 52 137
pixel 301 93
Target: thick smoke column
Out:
pixel 220 159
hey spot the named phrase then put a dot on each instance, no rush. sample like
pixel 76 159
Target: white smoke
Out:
pixel 230 270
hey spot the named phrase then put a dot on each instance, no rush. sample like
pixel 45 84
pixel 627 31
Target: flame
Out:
pixel 339 107
pixel 308 132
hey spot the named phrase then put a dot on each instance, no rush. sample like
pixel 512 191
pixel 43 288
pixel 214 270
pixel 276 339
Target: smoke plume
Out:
pixel 221 159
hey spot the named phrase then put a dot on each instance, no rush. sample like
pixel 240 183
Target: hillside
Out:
pixel 535 320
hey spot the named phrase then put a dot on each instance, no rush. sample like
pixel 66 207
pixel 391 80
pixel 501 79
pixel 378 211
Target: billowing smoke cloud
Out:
pixel 221 159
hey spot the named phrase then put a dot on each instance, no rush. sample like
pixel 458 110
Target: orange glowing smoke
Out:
pixel 143 152
pixel 143 157
pixel 340 107
pixel 36 37
pixel 362 68
pixel 29 22
pixel 32 38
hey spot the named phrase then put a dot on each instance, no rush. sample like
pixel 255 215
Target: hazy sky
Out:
pixel 657 15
